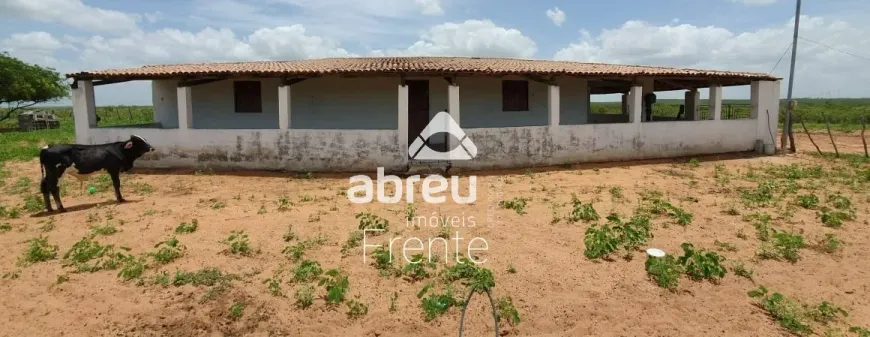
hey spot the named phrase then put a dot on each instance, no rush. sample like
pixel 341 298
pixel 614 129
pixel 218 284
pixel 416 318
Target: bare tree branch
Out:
pixel 17 107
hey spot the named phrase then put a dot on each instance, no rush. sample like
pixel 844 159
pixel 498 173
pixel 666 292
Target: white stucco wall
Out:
pixel 164 98
pixel 544 145
pixel 480 103
pixel 344 103
pixel 293 150
pixel 214 106
pixel 574 99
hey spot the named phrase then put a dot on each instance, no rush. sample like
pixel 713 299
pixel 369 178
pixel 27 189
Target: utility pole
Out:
pixel 788 120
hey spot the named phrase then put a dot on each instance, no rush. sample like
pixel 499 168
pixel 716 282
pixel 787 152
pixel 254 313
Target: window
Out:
pixel 514 95
pixel 248 97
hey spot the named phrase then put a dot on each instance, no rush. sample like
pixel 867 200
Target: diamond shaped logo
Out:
pixel 442 122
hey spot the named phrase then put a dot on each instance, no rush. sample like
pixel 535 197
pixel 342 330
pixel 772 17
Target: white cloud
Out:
pixel 359 21
pixel 470 38
pixel 556 15
pixel 34 47
pixel 73 13
pixel 152 17
pixel 755 2
pixel 207 45
pixel 431 7
pixel 818 69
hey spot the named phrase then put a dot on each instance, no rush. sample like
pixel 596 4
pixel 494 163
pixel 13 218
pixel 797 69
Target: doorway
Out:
pixel 418 110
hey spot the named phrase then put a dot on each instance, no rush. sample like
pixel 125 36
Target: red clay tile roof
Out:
pixel 410 65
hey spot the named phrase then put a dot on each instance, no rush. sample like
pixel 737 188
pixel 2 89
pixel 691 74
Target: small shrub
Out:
pixel 608 238
pixel 202 277
pixel 353 241
pixel 410 212
pixel 506 309
pixel 132 268
pixel 38 250
pixel 356 309
pixel 238 242
pixel 273 286
pixel 829 244
pixel 760 196
pixel 516 204
pixel 371 222
pixel 304 296
pixel 808 201
pixel 307 270
pixel 701 264
pixel 169 251
pixel 665 271
pixel 785 245
pixel 436 304
pixel 833 218
pixel 740 270
pixel 416 270
pixel 294 252
pixel 186 228
pixel 336 284
pixel 33 203
pixel 581 211
pixel 839 201
pixel 237 310
pixel 787 312
pixel 104 230
pixel 725 246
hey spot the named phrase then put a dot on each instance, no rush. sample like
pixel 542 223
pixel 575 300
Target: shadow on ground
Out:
pixel 81 207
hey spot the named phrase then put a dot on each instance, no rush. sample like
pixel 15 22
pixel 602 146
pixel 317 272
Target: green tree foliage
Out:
pixel 23 85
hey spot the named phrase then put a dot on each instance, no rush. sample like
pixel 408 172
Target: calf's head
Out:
pixel 138 146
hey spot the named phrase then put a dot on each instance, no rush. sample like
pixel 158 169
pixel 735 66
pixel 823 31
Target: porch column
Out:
pixel 648 84
pixel 403 121
pixel 624 104
pixel 715 102
pixel 84 110
pixel 553 105
pixel 185 108
pixel 284 107
pixel 453 109
pixel 764 100
pixel 453 101
pixel 635 104
pixel 692 103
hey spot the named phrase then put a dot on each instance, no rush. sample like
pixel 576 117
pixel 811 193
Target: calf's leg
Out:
pixel 55 191
pixel 49 185
pixel 45 189
pixel 116 182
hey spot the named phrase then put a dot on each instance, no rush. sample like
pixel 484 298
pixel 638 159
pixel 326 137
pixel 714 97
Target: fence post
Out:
pixel 828 126
pixel 808 133
pixel 864 140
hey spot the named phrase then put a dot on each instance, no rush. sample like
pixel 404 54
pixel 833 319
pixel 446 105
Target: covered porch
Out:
pixel 357 122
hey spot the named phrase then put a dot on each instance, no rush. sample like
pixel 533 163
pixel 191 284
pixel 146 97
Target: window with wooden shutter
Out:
pixel 248 96
pixel 514 95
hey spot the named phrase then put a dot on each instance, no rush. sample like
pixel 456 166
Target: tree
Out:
pixel 23 85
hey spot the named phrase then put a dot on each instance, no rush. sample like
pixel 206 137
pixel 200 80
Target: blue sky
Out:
pixel 750 35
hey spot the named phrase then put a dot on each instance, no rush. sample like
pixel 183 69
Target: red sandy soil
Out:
pixel 557 291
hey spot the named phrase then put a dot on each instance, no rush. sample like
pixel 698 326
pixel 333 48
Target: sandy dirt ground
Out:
pixel 555 288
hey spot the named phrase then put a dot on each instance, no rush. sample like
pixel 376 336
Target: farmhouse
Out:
pixel 357 114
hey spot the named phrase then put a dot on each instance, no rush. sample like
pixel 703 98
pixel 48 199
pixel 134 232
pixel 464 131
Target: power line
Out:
pixel 780 59
pixel 834 49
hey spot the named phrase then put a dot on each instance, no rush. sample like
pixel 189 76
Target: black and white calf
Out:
pixel 86 159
